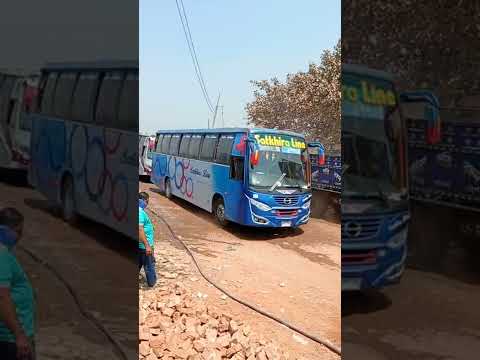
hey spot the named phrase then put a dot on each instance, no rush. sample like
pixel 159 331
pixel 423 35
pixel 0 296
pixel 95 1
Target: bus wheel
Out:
pixel 168 189
pixel 219 212
pixel 68 202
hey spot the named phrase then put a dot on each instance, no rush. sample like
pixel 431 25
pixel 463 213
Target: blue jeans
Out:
pixel 148 264
pixel 8 351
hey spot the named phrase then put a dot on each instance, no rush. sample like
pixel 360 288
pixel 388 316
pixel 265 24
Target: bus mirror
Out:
pixel 432 116
pixel 321 159
pixel 321 155
pixel 254 158
pixel 427 107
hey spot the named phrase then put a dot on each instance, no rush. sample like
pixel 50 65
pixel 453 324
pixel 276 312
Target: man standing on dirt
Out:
pixel 17 305
pixel 146 240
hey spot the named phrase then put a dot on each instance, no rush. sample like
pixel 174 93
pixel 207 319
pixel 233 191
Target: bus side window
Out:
pixel 3 98
pixel 159 143
pixel 2 78
pixel 10 112
pixel 183 152
pixel 166 144
pixel 84 97
pixel 63 95
pixel 224 149
pixel 236 167
pixel 174 144
pixel 208 148
pixel 194 147
pixel 37 100
pixel 47 98
pixel 128 107
pixel 108 98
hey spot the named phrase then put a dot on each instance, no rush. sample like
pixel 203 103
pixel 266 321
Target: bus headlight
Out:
pixel 306 205
pixel 308 197
pixel 397 240
pixel 260 205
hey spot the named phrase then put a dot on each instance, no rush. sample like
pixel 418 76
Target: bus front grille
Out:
pixel 286 212
pixel 360 228
pixel 286 200
pixel 359 257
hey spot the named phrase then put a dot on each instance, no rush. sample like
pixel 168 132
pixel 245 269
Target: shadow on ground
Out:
pixel 364 302
pixel 103 235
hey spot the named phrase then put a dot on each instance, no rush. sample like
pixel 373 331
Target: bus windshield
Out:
pixel 372 139
pixel 280 166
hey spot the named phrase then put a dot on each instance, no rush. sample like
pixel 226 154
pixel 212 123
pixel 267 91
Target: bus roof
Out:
pixel 229 131
pixel 91 65
pixel 363 70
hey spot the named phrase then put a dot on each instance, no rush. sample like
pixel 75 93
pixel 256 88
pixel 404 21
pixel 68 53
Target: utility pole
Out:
pixel 216 111
pixel 223 120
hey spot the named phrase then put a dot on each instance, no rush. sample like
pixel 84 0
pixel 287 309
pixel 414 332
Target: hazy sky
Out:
pixel 236 41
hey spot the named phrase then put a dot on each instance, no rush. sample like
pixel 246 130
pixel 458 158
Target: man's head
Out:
pixel 12 218
pixel 143 198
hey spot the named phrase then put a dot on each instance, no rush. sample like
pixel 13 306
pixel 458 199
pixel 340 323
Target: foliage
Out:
pixel 307 102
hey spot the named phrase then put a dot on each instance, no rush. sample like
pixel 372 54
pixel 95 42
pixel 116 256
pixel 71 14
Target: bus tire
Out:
pixel 68 201
pixel 168 189
pixel 219 212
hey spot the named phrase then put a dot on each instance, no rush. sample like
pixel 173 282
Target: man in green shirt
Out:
pixel 17 305
pixel 146 241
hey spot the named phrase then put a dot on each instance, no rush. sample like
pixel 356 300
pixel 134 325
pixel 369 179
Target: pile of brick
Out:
pixel 174 324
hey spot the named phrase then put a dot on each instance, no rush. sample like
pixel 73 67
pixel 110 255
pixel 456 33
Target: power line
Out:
pixel 193 54
pixel 194 59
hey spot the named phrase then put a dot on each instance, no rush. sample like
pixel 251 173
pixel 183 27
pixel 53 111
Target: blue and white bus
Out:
pixel 375 198
pixel 253 177
pixel 84 141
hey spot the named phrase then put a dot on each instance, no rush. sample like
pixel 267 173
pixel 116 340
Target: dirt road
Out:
pixel 429 315
pixel 99 265
pixel 292 275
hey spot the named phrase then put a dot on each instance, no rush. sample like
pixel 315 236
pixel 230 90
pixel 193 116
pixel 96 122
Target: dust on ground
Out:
pixel 294 275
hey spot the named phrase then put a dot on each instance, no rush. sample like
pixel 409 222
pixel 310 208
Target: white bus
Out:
pixel 84 142
pixel 17 91
pixel 146 145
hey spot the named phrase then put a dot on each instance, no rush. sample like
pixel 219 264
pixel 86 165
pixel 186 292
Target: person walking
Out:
pixel 146 241
pixel 17 304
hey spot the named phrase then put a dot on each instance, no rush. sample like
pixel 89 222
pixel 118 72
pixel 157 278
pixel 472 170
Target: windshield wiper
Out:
pixel 298 186
pixel 278 182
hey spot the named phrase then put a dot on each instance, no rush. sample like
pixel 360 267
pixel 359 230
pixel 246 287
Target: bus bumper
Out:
pixel 259 218
pixel 386 270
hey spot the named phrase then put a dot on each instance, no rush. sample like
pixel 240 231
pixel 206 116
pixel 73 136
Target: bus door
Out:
pixel 232 146
pixel 143 154
pixel 6 107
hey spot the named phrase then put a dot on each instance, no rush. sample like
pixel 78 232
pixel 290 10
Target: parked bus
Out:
pixel 84 142
pixel 445 182
pixel 16 94
pixel 254 177
pixel 146 145
pixel 326 179
pixel 375 196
